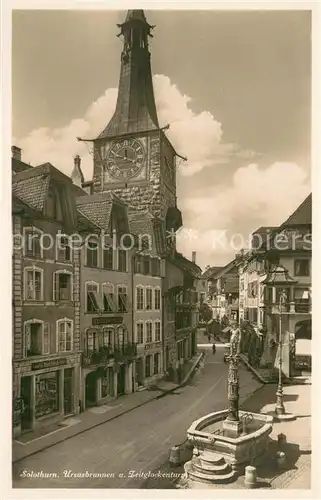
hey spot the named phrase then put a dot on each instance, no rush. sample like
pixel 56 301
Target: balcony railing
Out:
pixel 289 307
pixel 98 356
pixel 128 351
pixel 302 307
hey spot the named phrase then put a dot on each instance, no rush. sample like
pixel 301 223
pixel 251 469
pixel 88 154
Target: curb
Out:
pixel 186 378
pixel 256 373
pixel 82 431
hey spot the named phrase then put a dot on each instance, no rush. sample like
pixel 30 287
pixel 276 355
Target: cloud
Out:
pixel 251 197
pixel 220 224
pixel 197 136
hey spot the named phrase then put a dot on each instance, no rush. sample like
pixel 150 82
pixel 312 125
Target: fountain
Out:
pixel 227 441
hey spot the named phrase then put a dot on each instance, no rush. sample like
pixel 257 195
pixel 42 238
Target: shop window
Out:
pixel 62 285
pixel 139 298
pixel 108 298
pixel 92 298
pixel 33 283
pixel 122 299
pixel 149 298
pixel 155 265
pixel 47 394
pixel 92 254
pixel 108 254
pixel 65 334
pixel 156 363
pixel 108 335
pixel 63 253
pixel 148 360
pixel 37 338
pixel 157 331
pixel 149 331
pixel 122 261
pixel 157 299
pixel 32 243
pixel 140 332
pixel 302 267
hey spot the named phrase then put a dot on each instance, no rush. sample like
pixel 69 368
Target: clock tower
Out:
pixel 132 156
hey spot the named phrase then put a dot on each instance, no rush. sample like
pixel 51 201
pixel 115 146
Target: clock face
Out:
pixel 125 158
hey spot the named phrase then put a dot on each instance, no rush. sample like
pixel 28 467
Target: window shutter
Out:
pixel 46 338
pixel 56 287
pixel 27 339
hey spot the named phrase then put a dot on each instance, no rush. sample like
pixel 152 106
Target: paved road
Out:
pixel 138 441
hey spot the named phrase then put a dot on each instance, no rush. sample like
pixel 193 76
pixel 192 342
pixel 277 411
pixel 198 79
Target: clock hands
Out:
pixel 123 157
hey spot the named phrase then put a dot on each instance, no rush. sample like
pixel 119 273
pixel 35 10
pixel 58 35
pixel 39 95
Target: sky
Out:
pixel 234 87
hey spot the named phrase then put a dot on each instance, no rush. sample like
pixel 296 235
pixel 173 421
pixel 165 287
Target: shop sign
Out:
pixel 109 320
pixel 153 345
pixel 49 363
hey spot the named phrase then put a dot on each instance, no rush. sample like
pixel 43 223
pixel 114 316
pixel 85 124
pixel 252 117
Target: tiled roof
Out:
pixel 211 271
pixel 187 265
pixel 32 190
pixel 84 224
pixel 98 207
pixel 19 166
pixel 302 215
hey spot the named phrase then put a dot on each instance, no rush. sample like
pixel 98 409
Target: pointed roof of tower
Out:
pixel 135 109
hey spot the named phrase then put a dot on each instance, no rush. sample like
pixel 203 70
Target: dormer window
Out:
pixel 52 205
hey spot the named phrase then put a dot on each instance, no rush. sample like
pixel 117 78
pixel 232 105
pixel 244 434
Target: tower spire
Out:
pixel 135 108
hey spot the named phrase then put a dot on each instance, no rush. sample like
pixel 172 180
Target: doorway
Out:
pixel 25 391
pixel 91 389
pixel 121 381
pixel 68 394
pixel 139 372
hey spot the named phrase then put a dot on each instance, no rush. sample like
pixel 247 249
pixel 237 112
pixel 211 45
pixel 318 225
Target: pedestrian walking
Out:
pixel 214 348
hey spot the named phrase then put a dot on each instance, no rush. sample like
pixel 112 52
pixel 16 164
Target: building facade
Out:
pixel 46 298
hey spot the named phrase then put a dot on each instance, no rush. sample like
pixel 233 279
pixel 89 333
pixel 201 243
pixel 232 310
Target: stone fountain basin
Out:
pixel 237 451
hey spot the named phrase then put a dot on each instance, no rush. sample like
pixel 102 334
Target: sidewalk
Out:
pixel 96 416
pixel 264 375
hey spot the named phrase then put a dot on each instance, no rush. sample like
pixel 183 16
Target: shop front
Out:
pixel 48 390
pixel 153 362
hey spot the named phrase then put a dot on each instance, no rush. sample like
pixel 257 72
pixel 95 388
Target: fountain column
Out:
pixel 232 424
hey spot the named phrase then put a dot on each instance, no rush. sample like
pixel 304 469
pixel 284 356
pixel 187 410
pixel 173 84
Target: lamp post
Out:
pixel 279 407
pixel 279 279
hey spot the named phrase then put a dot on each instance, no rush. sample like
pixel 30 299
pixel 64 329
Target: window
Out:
pixel 149 331
pixel 108 334
pixel 108 298
pixel 105 383
pixel 91 340
pixel 33 281
pixel 120 337
pixel 156 363
pixel 52 205
pixel 302 267
pixel 63 252
pixel 47 394
pixel 149 298
pixel 146 264
pixel 62 285
pixel 155 264
pixel 122 299
pixel 122 261
pixel 37 338
pixel 92 254
pixel 65 334
pixel 32 243
pixel 139 264
pixel 140 332
pixel 108 258
pixel 157 299
pixel 92 297
pixel 148 366
pixel 139 298
pixel 157 331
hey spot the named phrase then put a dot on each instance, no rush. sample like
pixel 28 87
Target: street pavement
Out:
pixel 121 452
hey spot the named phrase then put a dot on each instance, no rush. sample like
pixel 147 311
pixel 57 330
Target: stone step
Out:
pixel 211 458
pixel 211 469
pixel 202 477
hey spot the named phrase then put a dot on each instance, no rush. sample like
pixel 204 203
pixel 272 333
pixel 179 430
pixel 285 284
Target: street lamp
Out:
pixel 278 279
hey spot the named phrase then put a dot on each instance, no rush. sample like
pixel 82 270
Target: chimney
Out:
pixel 16 153
pixel 194 257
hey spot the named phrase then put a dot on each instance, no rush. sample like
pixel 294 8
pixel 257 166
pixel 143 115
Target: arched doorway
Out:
pixel 303 334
